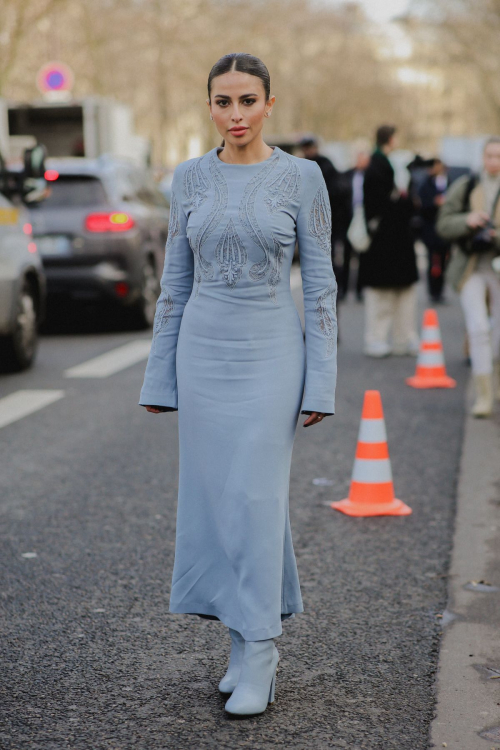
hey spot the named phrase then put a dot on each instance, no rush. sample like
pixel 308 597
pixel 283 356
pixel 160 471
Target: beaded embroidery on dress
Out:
pixel 202 266
pixel 320 220
pixel 327 319
pixel 249 220
pixel 230 255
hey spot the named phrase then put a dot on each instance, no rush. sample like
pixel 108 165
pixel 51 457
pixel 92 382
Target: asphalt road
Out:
pixel 91 657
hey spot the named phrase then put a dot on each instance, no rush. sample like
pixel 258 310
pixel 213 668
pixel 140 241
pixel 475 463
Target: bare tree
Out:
pixel 156 54
pixel 461 36
pixel 17 19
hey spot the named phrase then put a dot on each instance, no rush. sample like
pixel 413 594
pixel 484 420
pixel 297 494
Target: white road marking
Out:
pixel 21 403
pixel 295 278
pixel 111 362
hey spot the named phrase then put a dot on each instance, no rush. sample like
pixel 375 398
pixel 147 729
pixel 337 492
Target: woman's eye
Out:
pixel 250 101
pixel 222 103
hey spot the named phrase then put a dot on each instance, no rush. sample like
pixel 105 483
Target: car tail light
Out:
pixel 109 222
pixel 27 228
pixel 121 288
pixel 51 175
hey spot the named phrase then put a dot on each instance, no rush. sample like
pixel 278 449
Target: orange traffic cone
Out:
pixel 372 491
pixel 431 370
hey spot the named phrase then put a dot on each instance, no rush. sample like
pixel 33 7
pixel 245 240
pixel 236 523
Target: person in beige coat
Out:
pixel 470 217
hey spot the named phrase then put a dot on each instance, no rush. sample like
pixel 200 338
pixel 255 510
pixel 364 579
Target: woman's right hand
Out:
pixel 153 409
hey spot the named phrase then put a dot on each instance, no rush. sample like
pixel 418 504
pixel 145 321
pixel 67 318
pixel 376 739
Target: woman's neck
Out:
pixel 251 153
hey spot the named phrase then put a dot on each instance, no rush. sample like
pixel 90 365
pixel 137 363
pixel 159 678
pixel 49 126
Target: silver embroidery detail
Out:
pixel 327 319
pixel 196 185
pixel 275 275
pixel 203 267
pixel 174 225
pixel 164 309
pixel 165 304
pixel 230 255
pixel 320 220
pixel 247 217
pixel 284 188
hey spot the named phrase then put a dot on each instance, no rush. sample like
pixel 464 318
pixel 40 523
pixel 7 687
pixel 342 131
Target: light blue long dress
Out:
pixel 228 353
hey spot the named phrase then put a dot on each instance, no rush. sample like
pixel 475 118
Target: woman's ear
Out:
pixel 269 105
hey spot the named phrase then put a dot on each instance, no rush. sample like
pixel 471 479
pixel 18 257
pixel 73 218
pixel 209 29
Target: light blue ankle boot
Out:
pixel 255 688
pixel 228 682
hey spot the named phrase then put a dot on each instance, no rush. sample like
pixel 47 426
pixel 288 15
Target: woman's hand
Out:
pixel 153 409
pixel 314 418
pixel 477 219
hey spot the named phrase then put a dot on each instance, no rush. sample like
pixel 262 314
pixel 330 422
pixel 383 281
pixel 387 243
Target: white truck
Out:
pixel 88 127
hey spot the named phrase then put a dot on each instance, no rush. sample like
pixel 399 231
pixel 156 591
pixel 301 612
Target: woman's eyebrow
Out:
pixel 225 96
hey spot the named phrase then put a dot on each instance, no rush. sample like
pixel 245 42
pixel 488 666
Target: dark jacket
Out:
pixel 345 210
pixel 427 193
pixel 331 177
pixel 390 260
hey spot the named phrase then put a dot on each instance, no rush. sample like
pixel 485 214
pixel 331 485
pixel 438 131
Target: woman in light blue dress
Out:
pixel 228 353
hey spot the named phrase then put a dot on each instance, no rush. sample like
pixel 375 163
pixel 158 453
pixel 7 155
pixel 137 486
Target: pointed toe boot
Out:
pixel 255 688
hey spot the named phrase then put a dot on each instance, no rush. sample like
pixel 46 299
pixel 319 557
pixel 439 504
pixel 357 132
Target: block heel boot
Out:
pixel 256 686
pixel 230 679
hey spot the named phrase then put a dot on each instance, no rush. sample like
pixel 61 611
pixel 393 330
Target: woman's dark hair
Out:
pixel 243 63
pixel 384 134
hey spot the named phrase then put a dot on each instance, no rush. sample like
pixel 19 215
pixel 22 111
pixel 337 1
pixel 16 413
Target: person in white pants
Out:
pixel 388 269
pixel 470 217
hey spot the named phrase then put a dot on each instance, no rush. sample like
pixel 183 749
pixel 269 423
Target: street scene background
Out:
pixel 91 658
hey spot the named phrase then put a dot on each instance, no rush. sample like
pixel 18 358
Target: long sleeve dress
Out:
pixel 228 353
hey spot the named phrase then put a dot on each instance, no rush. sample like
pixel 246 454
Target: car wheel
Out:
pixel 17 351
pixel 145 308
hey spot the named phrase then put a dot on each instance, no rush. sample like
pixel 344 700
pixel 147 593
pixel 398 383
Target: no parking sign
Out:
pixel 54 77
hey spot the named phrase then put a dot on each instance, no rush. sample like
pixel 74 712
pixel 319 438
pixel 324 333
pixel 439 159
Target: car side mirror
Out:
pixel 34 161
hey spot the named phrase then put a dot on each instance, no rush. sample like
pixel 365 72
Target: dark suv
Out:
pixel 101 233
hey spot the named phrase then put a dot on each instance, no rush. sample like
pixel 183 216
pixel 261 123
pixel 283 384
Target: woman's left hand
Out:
pixel 314 418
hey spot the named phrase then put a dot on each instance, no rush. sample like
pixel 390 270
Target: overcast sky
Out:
pixel 384 10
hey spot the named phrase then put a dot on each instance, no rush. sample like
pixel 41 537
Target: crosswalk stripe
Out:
pixel 111 362
pixel 21 403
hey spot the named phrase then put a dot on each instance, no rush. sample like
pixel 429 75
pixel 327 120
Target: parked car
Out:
pixel 101 233
pixel 22 280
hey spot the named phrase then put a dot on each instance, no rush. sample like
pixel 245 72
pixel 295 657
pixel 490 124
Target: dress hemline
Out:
pixel 258 634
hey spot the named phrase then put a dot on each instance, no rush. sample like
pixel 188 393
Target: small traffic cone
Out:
pixel 431 370
pixel 372 491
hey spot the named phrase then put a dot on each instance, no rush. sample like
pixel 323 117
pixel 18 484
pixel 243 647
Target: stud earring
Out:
pixel 211 117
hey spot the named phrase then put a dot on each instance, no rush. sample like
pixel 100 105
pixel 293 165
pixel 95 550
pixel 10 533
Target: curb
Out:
pixel 468 684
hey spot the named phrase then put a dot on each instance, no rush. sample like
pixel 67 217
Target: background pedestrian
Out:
pixel 431 194
pixel 470 217
pixel 351 195
pixel 388 269
pixel 310 149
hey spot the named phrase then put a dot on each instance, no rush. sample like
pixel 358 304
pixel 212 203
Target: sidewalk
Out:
pixel 468 685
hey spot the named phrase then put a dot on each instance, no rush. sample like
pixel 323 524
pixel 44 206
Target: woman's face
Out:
pixel 238 106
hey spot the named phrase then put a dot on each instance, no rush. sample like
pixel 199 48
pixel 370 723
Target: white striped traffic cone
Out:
pixel 372 490
pixel 431 370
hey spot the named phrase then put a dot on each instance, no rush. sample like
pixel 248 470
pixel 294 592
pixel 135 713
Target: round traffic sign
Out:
pixel 54 76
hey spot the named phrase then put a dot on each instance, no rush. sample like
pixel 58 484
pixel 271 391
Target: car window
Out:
pixel 71 191
pixel 149 193
pixel 159 199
